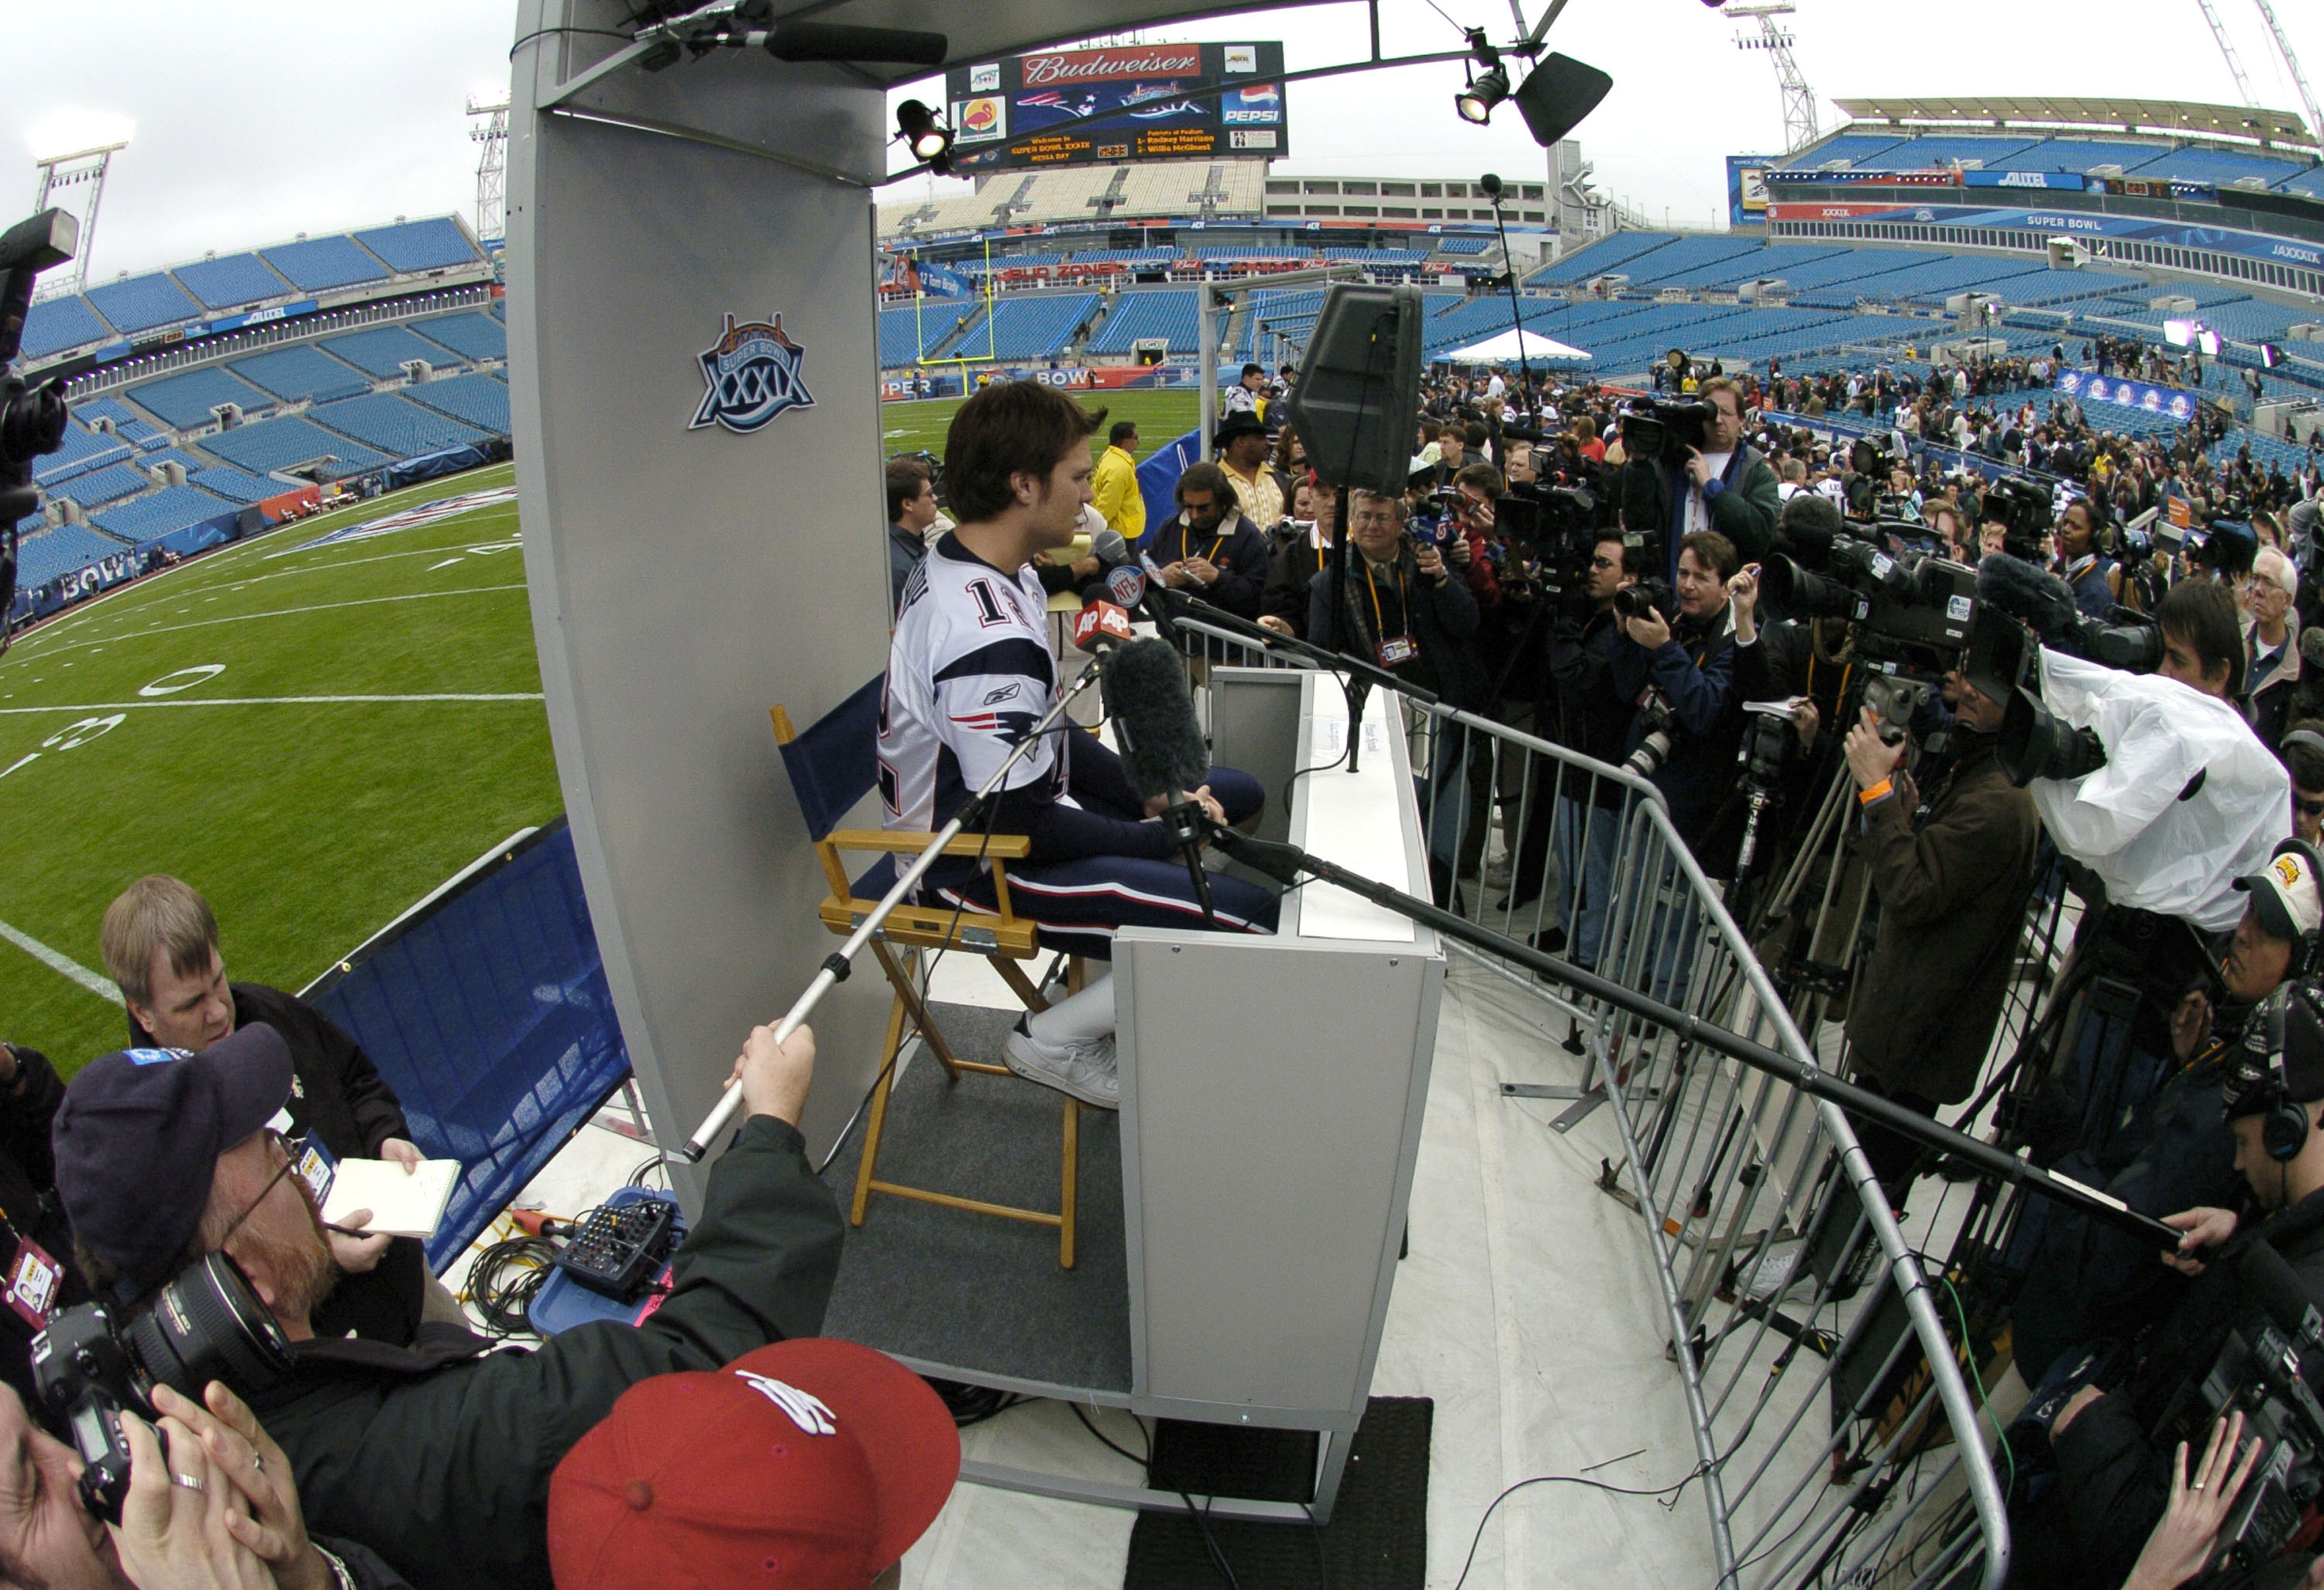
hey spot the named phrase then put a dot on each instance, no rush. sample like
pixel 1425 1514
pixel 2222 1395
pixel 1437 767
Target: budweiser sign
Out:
pixel 1090 66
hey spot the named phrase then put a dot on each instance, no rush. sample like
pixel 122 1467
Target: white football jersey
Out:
pixel 968 675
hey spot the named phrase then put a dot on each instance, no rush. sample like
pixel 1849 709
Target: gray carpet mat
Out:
pixel 973 1292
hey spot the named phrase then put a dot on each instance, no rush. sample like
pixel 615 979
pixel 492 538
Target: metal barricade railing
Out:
pixel 1837 1437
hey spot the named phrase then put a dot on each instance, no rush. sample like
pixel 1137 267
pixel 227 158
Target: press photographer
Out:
pixel 1678 668
pixel 1689 471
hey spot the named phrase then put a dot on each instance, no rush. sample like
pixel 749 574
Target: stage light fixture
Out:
pixel 929 140
pixel 1485 90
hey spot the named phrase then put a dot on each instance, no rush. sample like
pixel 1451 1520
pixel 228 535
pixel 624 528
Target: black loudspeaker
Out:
pixel 1359 389
pixel 1558 94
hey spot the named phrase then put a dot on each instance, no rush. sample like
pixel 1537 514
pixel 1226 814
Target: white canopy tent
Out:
pixel 1504 349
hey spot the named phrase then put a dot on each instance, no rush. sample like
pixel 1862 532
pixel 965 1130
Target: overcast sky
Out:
pixel 256 120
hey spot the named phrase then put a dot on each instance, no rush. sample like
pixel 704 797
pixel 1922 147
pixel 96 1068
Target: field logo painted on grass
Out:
pixel 410 518
pixel 184 678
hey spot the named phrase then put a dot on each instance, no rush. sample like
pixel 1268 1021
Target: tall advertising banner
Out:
pixel 1746 189
pixel 1119 103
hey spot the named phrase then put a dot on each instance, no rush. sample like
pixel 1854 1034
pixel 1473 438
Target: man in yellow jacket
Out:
pixel 1114 490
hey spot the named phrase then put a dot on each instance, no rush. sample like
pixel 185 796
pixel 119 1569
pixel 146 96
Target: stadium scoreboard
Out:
pixel 1061 108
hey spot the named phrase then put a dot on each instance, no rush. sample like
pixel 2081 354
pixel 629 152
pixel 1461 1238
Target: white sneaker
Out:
pixel 1499 874
pixel 1083 1071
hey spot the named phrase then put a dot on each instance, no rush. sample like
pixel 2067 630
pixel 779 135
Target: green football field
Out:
pixel 313 739
pixel 1161 416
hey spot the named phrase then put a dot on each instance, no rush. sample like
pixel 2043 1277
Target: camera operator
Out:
pixel 2202 641
pixel 1208 547
pixel 1951 886
pixel 1681 673
pixel 1283 597
pixel 160 942
pixel 438 1454
pixel 2271 640
pixel 216 1508
pixel 2113 1479
pixel 1588 714
pixel 1726 486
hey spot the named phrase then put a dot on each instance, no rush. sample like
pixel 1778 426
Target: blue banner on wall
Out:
pixel 1746 189
pixel 2170 403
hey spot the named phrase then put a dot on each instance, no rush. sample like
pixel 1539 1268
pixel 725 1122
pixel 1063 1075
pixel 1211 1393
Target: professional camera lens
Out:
pixel 1786 590
pixel 205 1325
pixel 2035 744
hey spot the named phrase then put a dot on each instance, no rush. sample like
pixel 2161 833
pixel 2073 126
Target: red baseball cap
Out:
pixel 810 1464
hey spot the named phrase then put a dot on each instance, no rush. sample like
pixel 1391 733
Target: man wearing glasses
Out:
pixel 438 1454
pixel 2270 642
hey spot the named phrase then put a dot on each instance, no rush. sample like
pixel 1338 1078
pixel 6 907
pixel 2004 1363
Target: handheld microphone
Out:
pixel 2035 597
pixel 1102 627
pixel 1108 547
pixel 1144 689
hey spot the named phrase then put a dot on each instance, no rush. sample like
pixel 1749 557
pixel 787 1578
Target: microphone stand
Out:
pixel 840 962
pixel 1184 822
pixel 1287 863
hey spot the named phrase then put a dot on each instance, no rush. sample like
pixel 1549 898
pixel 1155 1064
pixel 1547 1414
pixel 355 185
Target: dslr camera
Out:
pixel 93 1364
pixel 1662 429
pixel 1645 598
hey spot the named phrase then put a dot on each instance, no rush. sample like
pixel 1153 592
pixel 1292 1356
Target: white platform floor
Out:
pixel 1526 1310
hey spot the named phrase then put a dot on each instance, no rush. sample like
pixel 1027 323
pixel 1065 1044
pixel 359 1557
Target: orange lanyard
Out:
pixel 1379 621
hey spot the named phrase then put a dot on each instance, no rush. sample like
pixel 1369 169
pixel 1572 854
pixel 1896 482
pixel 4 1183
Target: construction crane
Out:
pixel 488 126
pixel 1800 128
pixel 2228 49
pixel 2292 65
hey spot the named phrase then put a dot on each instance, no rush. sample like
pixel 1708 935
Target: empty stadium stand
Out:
pixel 142 302
pixel 145 518
pixel 419 246
pixel 185 400
pixel 393 424
pixel 83 450
pixel 236 485
pixel 59 324
pixel 231 282
pixel 319 264
pixel 100 486
pixel 1167 314
pixel 470 335
pixel 45 554
pixel 291 442
pixel 302 372
pixel 1028 327
pixel 382 350
pixel 481 401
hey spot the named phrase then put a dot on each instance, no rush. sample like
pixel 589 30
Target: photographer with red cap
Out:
pixel 438 1456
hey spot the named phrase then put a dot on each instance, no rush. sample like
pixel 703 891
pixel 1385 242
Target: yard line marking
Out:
pixel 283 701
pixel 102 987
pixel 161 629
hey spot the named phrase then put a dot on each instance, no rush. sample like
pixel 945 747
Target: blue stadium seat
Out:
pixel 154 460
pixel 300 372
pixel 47 553
pixel 1250 250
pixel 59 324
pixel 140 435
pixel 83 450
pixel 470 335
pixel 142 302
pixel 1170 315
pixel 230 282
pixel 185 400
pixel 1608 256
pixel 1029 327
pixel 2310 181
pixel 173 508
pixel 1915 154
pixel 238 486
pixel 1852 147
pixel 2076 155
pixel 900 336
pixel 481 401
pixel 382 350
pixel 2220 166
pixel 103 408
pixel 387 421
pixel 290 443
pixel 420 246
pixel 100 486
pixel 1463 245
pixel 320 262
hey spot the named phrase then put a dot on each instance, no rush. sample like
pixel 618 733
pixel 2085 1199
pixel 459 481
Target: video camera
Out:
pixel 1869 466
pixel 1557 526
pixel 31 419
pixel 2024 609
pixel 1662 429
pixel 1895 599
pixel 2021 509
pixel 92 1365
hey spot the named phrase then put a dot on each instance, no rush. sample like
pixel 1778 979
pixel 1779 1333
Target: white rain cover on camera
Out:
pixel 2125 822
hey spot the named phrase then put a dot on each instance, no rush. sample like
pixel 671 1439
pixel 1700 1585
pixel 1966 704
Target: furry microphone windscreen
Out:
pixel 2032 595
pixel 1144 689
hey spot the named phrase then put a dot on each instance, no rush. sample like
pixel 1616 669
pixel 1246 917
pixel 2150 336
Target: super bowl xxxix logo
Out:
pixel 752 374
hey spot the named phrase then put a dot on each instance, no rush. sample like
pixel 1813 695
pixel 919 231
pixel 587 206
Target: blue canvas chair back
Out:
pixel 834 759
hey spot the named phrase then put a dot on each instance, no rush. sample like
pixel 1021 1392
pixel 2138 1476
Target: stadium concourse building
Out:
pixel 217 396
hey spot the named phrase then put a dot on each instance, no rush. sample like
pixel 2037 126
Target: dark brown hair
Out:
pixel 1711 546
pixel 1009 428
pixel 905 478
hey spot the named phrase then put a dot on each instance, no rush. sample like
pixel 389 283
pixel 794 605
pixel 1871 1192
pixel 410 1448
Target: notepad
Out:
pixel 401 1203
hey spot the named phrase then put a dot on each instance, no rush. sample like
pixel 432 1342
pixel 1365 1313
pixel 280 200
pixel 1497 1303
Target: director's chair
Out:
pixel 833 765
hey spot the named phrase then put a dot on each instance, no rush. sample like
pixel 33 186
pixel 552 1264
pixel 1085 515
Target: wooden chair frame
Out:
pixel 1002 938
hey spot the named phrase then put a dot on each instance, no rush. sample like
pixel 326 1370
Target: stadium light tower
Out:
pixel 2228 49
pixel 2292 65
pixel 74 168
pixel 488 126
pixel 1800 127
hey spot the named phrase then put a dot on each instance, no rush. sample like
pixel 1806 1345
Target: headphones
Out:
pixel 2283 1124
pixel 2307 738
